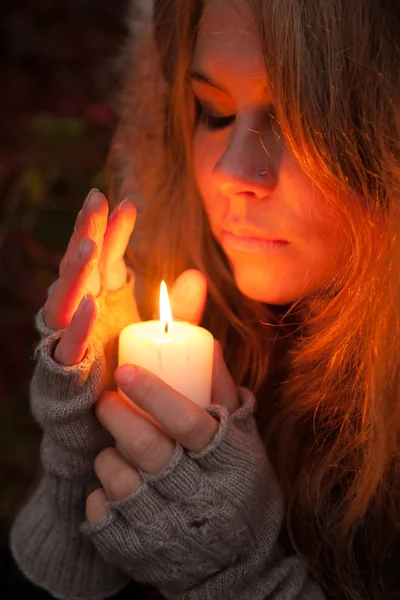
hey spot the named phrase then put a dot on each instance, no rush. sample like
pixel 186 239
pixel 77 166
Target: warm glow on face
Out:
pixel 165 308
pixel 232 144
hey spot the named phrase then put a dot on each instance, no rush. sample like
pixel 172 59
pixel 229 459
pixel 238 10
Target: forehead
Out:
pixel 227 45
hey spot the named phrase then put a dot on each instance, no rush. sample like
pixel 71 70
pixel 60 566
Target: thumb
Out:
pixel 188 296
pixel 224 390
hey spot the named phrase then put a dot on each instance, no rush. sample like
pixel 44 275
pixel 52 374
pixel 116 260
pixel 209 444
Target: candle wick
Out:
pixel 166 327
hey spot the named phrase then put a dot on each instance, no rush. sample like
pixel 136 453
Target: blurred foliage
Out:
pixel 56 122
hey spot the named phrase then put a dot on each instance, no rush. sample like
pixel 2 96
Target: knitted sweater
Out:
pixel 160 543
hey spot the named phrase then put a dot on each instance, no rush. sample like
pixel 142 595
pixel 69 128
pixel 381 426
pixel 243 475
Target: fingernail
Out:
pixel 91 199
pixel 89 194
pixel 85 247
pixel 124 375
pixel 118 208
pixel 82 304
pixel 123 204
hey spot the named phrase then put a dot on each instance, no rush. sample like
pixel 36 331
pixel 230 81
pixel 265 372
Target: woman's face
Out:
pixel 273 223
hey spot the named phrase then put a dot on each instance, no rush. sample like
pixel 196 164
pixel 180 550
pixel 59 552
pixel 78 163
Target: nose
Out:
pixel 250 163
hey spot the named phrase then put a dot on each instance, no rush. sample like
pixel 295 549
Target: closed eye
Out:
pixel 211 120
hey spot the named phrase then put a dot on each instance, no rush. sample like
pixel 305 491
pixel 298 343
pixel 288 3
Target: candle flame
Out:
pixel 165 308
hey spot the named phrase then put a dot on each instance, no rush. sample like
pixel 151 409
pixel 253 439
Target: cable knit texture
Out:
pixel 208 525
pixel 46 540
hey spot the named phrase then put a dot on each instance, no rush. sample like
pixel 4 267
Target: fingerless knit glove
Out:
pixel 207 527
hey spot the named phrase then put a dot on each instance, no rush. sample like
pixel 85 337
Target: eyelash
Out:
pixel 206 118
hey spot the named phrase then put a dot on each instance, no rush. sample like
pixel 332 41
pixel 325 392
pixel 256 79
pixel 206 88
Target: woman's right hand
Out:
pixel 94 260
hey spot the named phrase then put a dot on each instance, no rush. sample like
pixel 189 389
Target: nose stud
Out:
pixel 262 173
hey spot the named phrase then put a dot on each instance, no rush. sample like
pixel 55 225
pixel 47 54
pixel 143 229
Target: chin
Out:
pixel 263 286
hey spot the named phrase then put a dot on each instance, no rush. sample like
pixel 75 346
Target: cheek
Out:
pixel 326 232
pixel 314 218
pixel 324 244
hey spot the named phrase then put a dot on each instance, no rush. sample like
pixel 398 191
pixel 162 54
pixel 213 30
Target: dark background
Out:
pixel 59 84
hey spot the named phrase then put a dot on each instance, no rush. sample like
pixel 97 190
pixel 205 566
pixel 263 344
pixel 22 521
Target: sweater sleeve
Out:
pixel 45 538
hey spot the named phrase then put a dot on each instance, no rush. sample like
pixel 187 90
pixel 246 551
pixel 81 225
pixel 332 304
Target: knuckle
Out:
pixel 148 445
pixel 78 325
pixel 95 225
pixel 93 259
pixel 116 476
pixel 120 485
pixel 150 388
pixel 190 425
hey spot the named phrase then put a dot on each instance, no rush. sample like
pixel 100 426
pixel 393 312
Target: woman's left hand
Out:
pixel 147 430
pixel 194 503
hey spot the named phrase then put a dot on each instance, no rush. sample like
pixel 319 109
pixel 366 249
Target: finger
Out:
pixel 94 207
pixel 73 345
pixel 140 440
pixel 118 478
pixel 69 289
pixel 94 226
pixel 78 269
pixel 224 391
pixel 91 222
pixel 188 296
pixel 96 506
pixel 119 230
pixel 186 422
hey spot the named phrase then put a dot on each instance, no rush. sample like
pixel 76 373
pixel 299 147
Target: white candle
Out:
pixel 179 353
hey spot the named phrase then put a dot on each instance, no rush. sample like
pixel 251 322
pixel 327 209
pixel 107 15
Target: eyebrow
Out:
pixel 202 77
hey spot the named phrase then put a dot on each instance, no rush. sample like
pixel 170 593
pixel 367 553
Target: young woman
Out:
pixel 259 142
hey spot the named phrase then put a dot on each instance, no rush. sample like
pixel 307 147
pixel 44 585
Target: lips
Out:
pixel 241 240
